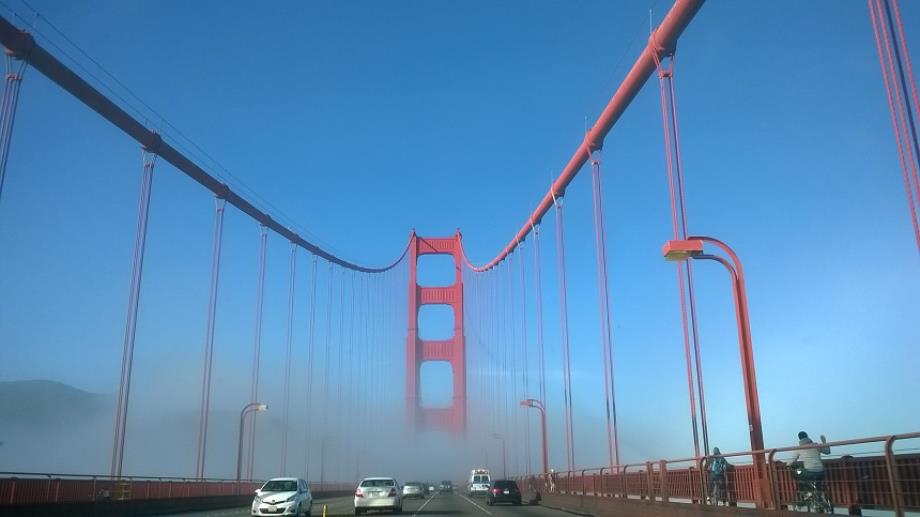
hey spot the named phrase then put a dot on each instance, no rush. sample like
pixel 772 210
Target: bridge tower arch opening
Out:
pixel 451 418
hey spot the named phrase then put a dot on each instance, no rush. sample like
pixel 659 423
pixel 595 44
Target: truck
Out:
pixel 480 481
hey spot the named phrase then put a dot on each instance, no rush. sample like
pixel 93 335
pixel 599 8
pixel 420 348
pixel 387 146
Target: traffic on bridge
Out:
pixel 437 258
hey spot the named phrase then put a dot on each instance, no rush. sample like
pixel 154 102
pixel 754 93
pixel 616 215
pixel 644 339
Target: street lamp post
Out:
pixel 534 403
pixel 249 408
pixel 504 456
pixel 692 248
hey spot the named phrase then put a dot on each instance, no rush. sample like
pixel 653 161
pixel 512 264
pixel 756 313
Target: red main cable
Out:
pixel 662 42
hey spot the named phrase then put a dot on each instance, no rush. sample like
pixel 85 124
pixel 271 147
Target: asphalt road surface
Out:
pixel 453 505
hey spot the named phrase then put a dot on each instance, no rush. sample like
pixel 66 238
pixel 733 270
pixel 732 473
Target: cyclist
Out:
pixel 717 467
pixel 813 471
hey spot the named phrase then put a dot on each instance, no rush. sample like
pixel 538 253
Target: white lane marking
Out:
pixel 467 499
pixel 424 505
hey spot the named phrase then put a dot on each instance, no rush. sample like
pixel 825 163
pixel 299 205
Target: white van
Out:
pixel 480 481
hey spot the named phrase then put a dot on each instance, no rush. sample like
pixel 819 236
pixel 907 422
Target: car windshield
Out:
pixel 280 486
pixel 378 483
pixel 505 484
pixel 480 479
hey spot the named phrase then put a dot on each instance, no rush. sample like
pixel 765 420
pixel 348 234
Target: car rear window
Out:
pixel 505 484
pixel 377 482
pixel 480 479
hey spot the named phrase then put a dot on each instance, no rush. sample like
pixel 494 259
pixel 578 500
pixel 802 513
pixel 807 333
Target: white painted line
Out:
pixel 424 505
pixel 487 512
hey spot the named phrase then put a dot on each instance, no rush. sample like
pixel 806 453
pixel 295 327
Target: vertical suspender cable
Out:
pixel 209 338
pixel 364 358
pixel 512 342
pixel 600 244
pixel 538 296
pixel 500 319
pixel 663 74
pixel 507 347
pixel 375 344
pixel 285 419
pixel 911 78
pixel 526 393
pixel 564 333
pixel 8 111
pixel 311 349
pixel 350 391
pixel 897 32
pixel 490 347
pixel 898 116
pixel 691 296
pixel 339 398
pixel 134 293
pixel 485 361
pixel 257 350
pixel 326 355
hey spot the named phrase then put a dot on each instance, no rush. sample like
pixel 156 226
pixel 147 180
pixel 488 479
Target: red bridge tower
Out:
pixel 453 350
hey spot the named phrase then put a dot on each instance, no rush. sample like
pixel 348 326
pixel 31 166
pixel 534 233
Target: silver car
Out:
pixel 413 489
pixel 378 494
pixel 283 496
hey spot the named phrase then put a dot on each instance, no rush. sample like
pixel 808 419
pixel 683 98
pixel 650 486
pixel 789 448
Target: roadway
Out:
pixel 455 505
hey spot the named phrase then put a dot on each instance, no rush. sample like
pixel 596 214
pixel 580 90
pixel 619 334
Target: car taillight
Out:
pixel 496 490
pixel 359 493
pixel 392 492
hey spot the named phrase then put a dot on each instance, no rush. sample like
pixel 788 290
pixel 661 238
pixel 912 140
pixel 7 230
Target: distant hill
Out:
pixel 43 403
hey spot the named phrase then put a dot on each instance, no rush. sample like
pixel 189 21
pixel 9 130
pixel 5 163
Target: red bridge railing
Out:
pixel 880 478
pixel 22 488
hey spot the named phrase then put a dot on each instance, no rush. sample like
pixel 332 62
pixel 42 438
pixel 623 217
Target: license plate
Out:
pixel 507 492
pixel 273 508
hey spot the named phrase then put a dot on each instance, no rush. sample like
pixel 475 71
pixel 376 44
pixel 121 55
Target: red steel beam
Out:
pixel 662 42
pixel 23 46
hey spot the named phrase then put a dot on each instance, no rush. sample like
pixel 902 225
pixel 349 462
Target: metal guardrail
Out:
pixel 879 479
pixel 21 488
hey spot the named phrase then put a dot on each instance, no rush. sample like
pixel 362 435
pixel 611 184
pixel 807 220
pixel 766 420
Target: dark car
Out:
pixel 504 491
pixel 446 487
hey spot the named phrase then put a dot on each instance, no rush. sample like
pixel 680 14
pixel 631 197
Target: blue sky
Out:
pixel 360 121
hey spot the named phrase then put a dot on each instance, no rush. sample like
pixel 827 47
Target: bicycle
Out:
pixel 810 494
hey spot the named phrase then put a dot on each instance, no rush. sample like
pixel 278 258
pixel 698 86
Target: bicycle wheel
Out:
pixel 825 504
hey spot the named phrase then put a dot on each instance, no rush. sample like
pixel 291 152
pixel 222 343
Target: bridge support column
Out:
pixel 453 350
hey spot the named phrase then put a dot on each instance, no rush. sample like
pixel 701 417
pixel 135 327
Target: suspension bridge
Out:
pixel 353 356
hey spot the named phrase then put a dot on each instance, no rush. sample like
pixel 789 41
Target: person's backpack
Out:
pixel 718 466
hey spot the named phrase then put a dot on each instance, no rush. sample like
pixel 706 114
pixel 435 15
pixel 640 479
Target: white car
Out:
pixel 283 496
pixel 413 489
pixel 378 494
